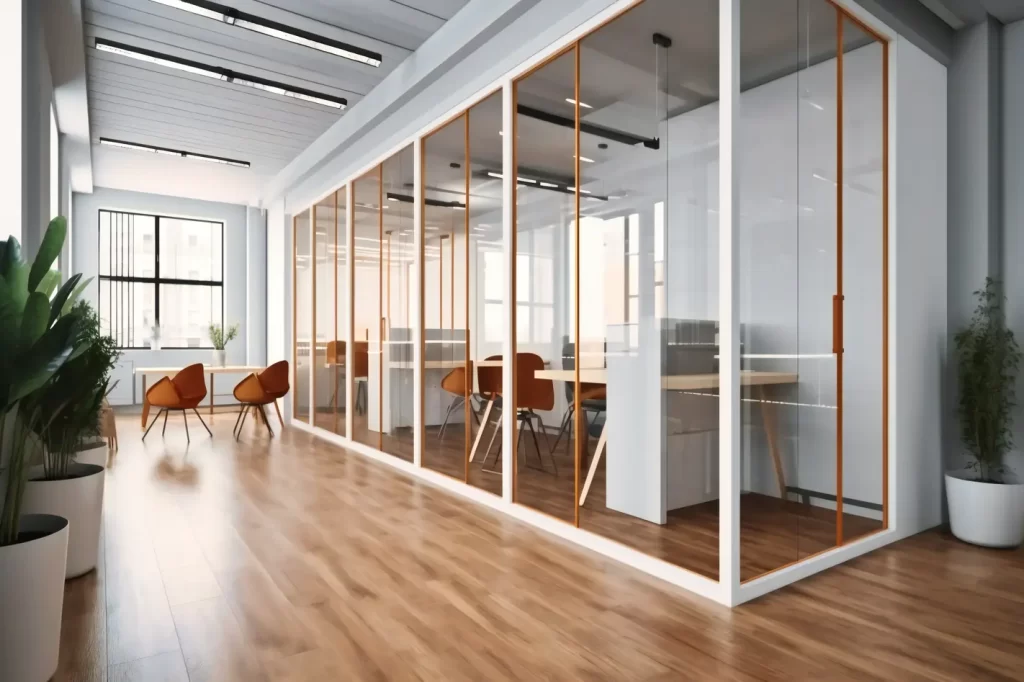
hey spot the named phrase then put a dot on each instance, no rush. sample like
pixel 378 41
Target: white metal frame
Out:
pixel 728 590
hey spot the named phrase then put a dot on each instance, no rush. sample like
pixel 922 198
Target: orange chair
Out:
pixel 531 394
pixel 255 392
pixel 455 383
pixel 361 370
pixel 184 392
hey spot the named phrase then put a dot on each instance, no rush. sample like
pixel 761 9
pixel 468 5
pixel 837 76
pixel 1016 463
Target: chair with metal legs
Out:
pixel 532 395
pixel 455 383
pixel 179 394
pixel 593 399
pixel 256 391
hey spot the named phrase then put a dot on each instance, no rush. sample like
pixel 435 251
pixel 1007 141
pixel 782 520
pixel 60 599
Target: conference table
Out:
pixel 688 382
pixel 208 369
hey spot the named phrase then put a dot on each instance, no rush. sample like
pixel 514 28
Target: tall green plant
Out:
pixel 219 338
pixel 38 334
pixel 987 362
pixel 75 395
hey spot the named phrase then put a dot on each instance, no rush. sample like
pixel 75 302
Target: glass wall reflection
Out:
pixel 545 276
pixel 303 317
pixel 337 371
pixel 324 325
pixel 397 261
pixel 367 324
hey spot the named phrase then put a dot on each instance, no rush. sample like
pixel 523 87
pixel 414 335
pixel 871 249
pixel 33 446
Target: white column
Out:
pixel 508 171
pixel 12 173
pixel 728 300
pixel 417 312
pixel 350 264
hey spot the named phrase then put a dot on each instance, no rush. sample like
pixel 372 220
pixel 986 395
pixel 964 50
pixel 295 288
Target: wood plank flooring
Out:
pixel 292 560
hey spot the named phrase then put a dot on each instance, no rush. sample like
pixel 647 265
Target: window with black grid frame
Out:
pixel 161 279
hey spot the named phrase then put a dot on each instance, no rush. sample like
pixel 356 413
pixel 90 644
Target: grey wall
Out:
pixel 1012 107
pixel 241 256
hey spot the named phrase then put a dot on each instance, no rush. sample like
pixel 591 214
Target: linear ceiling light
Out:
pixel 589 128
pixel 543 184
pixel 406 199
pixel 172 152
pixel 234 17
pixel 219 73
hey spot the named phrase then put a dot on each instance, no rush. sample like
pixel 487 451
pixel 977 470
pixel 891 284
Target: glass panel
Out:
pixel 545 276
pixel 303 316
pixel 648 408
pixel 191 249
pixel 325 378
pixel 445 384
pixel 336 360
pixel 186 313
pixel 398 263
pixel 486 262
pixel 787 276
pixel 126 311
pixel 863 245
pixel 366 314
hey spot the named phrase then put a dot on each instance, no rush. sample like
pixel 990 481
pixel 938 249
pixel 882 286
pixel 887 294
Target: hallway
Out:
pixel 290 559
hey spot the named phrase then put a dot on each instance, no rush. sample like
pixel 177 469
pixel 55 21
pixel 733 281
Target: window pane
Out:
pixel 126 245
pixel 493 322
pixel 186 312
pixel 127 312
pixel 190 249
pixel 493 273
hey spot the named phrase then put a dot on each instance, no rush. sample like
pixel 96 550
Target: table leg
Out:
pixel 145 412
pixel 771 434
pixel 593 464
pixel 480 431
pixel 211 393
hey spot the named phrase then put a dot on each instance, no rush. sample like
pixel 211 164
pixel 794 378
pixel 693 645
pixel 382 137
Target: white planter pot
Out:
pixel 219 358
pixel 80 501
pixel 986 514
pixel 31 600
pixel 93 454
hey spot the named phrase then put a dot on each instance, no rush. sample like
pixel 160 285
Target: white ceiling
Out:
pixel 150 104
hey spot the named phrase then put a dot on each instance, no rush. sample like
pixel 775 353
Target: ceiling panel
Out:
pixel 156 105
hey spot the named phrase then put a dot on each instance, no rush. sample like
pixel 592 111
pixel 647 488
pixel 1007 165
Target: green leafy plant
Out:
pixel 987 362
pixel 40 334
pixel 219 338
pixel 74 395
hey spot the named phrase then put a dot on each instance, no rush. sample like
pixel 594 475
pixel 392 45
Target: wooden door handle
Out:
pixel 837 324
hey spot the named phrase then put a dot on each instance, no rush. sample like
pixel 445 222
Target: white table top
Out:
pixel 679 382
pixel 207 369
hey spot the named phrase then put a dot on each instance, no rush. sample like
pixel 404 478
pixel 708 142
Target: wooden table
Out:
pixel 209 369
pixel 687 382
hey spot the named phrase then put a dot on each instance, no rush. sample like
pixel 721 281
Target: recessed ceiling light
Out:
pixel 495 175
pixel 219 73
pixel 583 105
pixel 297 36
pixel 172 152
pixel 584 159
pixel 548 184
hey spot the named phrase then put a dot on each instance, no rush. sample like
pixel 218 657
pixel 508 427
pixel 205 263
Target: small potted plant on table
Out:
pixel 220 338
pixel 39 336
pixel 986 500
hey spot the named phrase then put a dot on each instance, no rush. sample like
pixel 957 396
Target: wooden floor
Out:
pixel 289 559
pixel 773 532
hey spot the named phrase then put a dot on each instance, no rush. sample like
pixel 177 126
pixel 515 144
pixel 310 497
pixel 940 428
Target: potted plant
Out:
pixel 986 501
pixel 40 335
pixel 65 485
pixel 219 338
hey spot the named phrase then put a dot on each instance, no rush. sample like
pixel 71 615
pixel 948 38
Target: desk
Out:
pixel 208 369
pixel 688 382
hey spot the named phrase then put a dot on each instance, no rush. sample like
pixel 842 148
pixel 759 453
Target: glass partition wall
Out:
pixel 302 315
pixel 462 300
pixel 616 335
pixel 812 282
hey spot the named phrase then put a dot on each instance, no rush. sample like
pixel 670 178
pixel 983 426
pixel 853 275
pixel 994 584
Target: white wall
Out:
pixel 919 312
pixel 239 296
pixel 256 286
pixel 37 96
